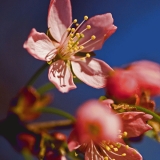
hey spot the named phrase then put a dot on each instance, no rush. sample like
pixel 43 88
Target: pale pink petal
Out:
pixel 40 46
pixel 131 154
pixel 91 71
pixel 135 123
pixel 60 75
pixel 59 17
pixel 73 141
pixel 148 75
pixel 95 122
pixel 102 27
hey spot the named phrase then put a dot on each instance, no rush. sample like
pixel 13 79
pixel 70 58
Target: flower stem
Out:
pixel 53 110
pixel 37 74
pixel 59 124
pixel 46 87
pixel 155 116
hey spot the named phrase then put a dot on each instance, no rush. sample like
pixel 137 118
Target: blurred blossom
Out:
pixel 147 73
pixel 135 83
pixel 65 42
pixel 98 135
pixel 26 141
pixel 27 102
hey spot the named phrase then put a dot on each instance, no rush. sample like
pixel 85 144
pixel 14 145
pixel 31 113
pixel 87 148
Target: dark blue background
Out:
pixel 137 37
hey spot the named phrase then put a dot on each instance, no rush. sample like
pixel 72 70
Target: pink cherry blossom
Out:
pixel 106 147
pixel 65 39
pixel 147 74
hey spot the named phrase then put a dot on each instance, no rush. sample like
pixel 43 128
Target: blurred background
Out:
pixel 137 38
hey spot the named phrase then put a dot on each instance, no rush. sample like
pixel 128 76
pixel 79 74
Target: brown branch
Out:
pixel 58 124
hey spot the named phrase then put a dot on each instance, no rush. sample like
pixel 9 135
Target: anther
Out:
pixel 77 35
pixel 85 17
pixel 111 146
pixel 81 47
pixel 73 29
pixel 88 27
pixel 127 146
pixel 115 149
pixel 124 154
pixel 108 148
pixel 105 158
pixel 75 21
pixel 68 29
pixel 125 134
pixel 93 37
pixel 77 24
pixel 82 35
pixel 71 35
pixel 88 55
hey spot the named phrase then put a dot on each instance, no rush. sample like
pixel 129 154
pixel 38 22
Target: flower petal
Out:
pixel 60 75
pixel 73 141
pixel 101 125
pixel 102 27
pixel 40 46
pixel 125 153
pixel 59 17
pixel 91 71
pixel 148 75
pixel 134 123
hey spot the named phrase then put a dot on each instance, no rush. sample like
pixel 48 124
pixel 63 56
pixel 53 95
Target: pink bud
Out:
pixel 121 84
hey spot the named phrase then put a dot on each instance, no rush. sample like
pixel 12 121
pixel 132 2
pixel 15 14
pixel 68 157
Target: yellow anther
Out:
pixel 68 29
pixel 85 17
pixel 105 158
pixel 115 149
pixel 71 35
pixel 49 62
pixel 111 146
pixel 124 154
pixel 93 37
pixel 81 47
pixel 108 148
pixel 73 29
pixel 88 55
pixel 83 58
pixel 118 145
pixel 69 45
pixel 82 35
pixel 77 24
pixel 71 50
pixel 77 35
pixel 74 76
pixel 75 49
pixel 88 27
pixel 75 21
pixel 125 134
pixel 127 146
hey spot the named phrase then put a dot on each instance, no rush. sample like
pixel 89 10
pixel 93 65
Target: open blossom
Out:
pixel 138 78
pixel 94 138
pixel 65 39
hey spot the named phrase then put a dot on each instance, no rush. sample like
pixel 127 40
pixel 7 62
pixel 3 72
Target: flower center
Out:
pixel 71 41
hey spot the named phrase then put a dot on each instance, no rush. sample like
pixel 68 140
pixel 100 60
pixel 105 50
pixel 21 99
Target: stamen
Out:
pixel 125 134
pixel 124 154
pixel 88 55
pixel 93 37
pixel 75 21
pixel 115 149
pixel 85 17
